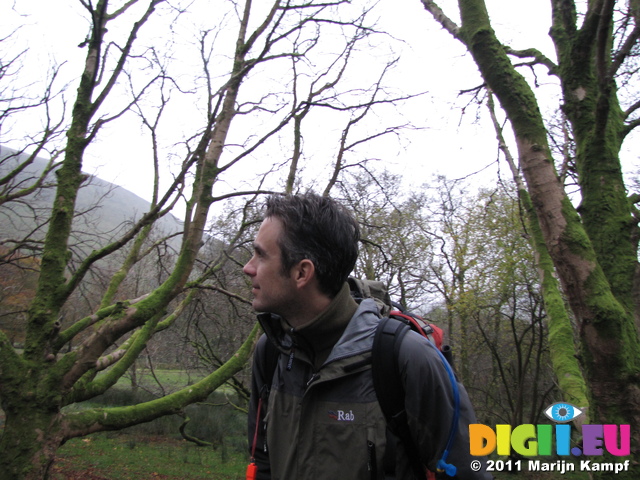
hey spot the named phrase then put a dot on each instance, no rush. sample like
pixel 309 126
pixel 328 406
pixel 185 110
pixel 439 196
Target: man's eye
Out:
pixel 562 412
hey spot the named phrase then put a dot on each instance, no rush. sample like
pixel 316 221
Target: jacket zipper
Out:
pixel 313 378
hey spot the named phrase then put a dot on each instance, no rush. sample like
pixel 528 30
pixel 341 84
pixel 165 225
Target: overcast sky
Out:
pixel 430 61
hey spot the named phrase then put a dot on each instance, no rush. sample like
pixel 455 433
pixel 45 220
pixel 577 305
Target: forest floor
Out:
pixel 134 457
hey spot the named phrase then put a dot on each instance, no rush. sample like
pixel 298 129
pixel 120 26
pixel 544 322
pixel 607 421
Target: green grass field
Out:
pixel 155 450
pixel 133 457
pixel 170 379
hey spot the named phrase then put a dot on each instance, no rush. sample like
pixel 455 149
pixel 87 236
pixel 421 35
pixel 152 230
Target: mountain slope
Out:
pixel 106 209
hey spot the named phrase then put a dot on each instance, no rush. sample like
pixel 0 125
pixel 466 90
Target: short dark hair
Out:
pixel 319 229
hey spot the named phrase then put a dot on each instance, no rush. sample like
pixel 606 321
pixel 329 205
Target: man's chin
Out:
pixel 257 306
pixel 262 308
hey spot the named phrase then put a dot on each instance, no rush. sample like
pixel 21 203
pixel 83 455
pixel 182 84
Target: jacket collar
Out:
pixel 343 329
pixel 324 331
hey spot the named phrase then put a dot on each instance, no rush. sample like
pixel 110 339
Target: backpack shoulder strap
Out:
pixel 270 359
pixel 385 369
pixel 388 386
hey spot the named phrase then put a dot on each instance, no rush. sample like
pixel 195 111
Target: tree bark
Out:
pixel 592 252
pixel 607 330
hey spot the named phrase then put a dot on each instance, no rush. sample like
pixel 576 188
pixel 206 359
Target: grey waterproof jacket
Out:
pixel 327 424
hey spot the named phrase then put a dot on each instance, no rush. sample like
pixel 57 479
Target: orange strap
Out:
pixel 252 468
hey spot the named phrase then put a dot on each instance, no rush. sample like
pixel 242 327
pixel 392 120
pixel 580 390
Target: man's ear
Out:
pixel 304 272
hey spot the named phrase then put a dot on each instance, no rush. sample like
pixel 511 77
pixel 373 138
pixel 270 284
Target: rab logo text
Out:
pixel 342 416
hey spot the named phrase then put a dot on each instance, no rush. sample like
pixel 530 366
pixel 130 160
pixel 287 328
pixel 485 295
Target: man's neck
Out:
pixel 323 331
pixel 306 311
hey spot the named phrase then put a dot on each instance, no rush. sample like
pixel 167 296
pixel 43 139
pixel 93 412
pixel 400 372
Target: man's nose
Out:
pixel 249 269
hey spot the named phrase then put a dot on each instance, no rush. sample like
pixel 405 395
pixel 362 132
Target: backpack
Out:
pixel 395 323
pixel 361 289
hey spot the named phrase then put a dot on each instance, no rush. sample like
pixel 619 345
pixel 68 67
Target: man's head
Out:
pixel 304 232
pixel 321 230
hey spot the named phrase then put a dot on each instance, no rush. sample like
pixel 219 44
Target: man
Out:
pixel 317 416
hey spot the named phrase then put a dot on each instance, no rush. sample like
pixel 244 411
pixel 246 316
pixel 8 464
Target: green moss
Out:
pixel 562 342
pixel 509 86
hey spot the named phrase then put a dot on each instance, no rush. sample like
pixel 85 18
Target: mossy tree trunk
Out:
pixel 562 351
pixel 35 386
pixel 592 247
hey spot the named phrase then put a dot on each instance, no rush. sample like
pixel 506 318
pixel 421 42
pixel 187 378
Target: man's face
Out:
pixel 272 289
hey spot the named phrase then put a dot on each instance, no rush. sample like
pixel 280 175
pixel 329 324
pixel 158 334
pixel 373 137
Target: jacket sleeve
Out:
pixel 257 409
pixel 429 404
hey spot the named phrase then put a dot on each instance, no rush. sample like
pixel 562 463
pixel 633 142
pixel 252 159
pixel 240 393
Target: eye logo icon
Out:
pixel 562 412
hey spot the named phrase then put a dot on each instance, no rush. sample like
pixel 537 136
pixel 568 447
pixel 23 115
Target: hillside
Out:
pixel 106 208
